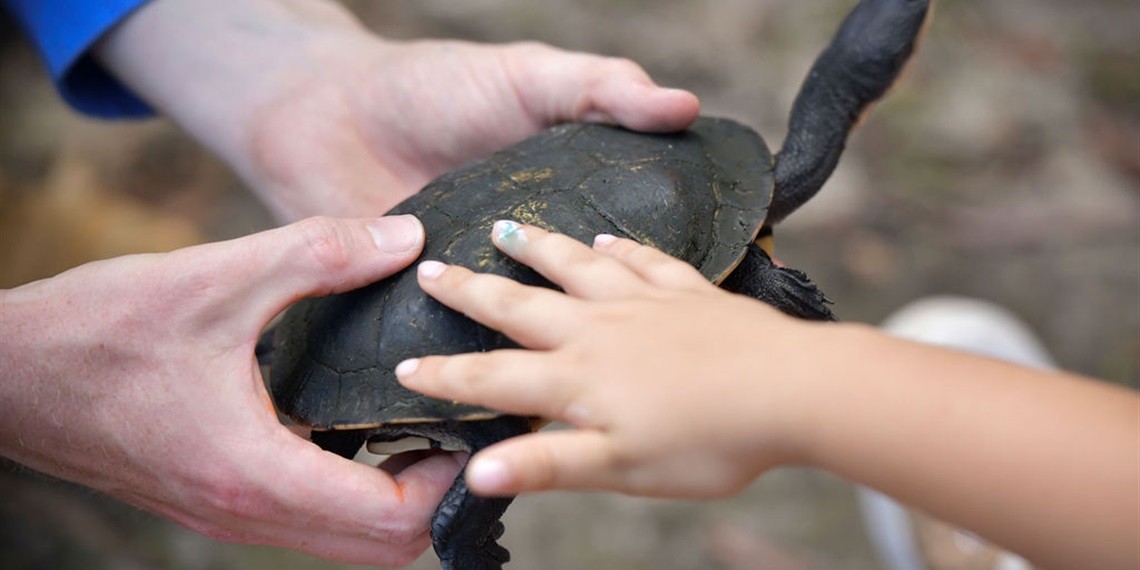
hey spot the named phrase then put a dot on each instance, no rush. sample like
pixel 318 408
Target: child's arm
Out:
pixel 680 389
pixel 1046 464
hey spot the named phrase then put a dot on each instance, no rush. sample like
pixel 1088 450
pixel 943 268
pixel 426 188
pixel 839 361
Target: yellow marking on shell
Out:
pixel 530 213
pixel 522 176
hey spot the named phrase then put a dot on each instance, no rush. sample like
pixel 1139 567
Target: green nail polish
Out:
pixel 509 236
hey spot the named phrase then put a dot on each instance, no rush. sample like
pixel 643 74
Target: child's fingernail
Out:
pixel 488 474
pixel 407 367
pixel 396 234
pixel 509 236
pixel 602 240
pixel 430 269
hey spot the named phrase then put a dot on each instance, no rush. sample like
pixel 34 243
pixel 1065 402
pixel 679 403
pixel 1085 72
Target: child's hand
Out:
pixel 655 368
pixel 673 387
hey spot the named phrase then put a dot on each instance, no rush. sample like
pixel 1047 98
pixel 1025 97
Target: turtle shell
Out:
pixel 700 195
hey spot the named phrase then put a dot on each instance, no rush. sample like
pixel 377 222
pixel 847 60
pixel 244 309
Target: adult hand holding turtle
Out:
pixel 673 387
pixel 322 116
pixel 136 375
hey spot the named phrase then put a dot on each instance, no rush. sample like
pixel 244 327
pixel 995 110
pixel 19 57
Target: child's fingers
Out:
pixel 504 380
pixel 534 317
pixel 579 270
pixel 649 263
pixel 560 459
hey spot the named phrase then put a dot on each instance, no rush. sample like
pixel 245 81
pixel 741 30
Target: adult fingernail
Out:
pixel 509 236
pixel 430 269
pixel 396 234
pixel 602 240
pixel 488 474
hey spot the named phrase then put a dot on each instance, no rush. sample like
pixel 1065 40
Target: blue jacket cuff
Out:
pixel 64 31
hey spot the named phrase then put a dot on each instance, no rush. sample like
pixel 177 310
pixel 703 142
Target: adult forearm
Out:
pixel 210 64
pixel 322 117
pixel 22 325
pixel 1044 463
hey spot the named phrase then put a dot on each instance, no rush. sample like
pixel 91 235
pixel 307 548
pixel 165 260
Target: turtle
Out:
pixel 708 195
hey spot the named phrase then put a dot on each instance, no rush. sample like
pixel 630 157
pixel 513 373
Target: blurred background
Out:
pixel 1007 167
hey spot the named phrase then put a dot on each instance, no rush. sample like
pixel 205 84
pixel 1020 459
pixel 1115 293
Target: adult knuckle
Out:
pixel 327 241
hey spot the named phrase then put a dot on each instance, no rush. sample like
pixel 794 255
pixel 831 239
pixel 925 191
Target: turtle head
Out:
pixel 865 58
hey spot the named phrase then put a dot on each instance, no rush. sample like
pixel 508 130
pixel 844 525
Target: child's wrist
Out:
pixel 821 385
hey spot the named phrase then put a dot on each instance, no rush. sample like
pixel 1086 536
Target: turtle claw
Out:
pixel 492 556
pixel 789 290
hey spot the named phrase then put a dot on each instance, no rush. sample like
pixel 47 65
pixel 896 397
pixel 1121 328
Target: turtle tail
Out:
pixel 865 58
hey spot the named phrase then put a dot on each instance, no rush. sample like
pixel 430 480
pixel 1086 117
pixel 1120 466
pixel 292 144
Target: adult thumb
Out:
pixel 592 88
pixel 314 257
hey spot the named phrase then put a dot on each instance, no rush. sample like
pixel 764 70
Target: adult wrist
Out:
pixel 22 363
pixel 210 64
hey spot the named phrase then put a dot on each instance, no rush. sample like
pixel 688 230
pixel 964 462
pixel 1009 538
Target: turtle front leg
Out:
pixel 789 290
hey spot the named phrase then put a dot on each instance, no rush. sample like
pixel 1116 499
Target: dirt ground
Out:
pixel 1007 167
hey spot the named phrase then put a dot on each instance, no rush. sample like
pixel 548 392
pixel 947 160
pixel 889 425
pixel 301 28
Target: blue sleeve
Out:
pixel 64 31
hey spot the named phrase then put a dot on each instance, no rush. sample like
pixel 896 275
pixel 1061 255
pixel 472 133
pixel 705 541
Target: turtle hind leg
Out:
pixel 465 529
pixel 465 526
pixel 789 290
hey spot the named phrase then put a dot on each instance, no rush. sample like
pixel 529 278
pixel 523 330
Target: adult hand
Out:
pixel 322 116
pixel 655 367
pixel 136 376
